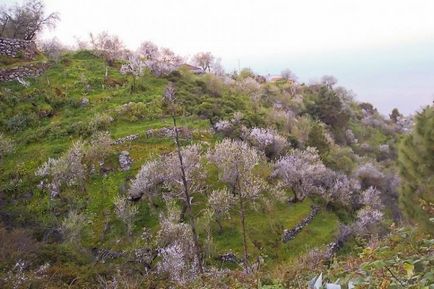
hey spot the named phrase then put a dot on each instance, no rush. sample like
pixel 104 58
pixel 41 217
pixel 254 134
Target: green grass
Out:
pixel 265 228
pixel 80 75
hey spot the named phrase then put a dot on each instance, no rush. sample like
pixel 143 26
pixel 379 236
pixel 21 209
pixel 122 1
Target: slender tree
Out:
pixel 169 99
pixel 236 161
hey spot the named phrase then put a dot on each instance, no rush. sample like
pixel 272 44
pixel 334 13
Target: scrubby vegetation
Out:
pixel 127 170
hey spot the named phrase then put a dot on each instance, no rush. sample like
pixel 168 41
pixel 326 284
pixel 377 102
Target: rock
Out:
pixel 125 161
pixel 229 258
pixel 52 236
pixel 84 101
pixel 183 132
pixel 128 138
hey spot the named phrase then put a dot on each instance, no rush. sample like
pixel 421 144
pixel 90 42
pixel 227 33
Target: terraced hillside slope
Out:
pixel 96 166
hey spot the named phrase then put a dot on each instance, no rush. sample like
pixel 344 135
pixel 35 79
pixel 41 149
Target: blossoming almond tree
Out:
pixel 134 67
pixel 220 202
pixel 177 252
pixel 236 161
pixel 301 171
pixel 268 141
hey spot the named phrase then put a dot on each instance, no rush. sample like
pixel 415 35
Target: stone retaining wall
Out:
pixel 291 233
pixel 24 71
pixel 18 48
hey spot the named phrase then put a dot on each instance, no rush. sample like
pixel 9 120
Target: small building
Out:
pixel 273 78
pixel 192 68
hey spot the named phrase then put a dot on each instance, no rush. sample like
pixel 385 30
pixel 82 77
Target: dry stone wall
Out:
pixel 24 71
pixel 18 48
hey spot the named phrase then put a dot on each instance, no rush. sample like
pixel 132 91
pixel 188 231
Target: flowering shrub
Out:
pixel 192 168
pixel 147 179
pixel 236 161
pixel 350 137
pixel 369 175
pixel 268 141
pixel 67 170
pixel 135 66
pixel 177 256
pixel 338 189
pixel 166 172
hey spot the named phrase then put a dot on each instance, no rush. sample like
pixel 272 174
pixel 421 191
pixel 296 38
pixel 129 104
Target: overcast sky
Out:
pixel 382 50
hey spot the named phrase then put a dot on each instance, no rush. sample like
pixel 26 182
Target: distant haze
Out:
pixel 382 50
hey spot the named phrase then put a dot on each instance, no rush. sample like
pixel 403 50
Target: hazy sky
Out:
pixel 382 50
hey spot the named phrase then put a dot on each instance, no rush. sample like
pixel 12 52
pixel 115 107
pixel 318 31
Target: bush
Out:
pixel 101 121
pixel 132 111
pixel 341 159
pixel 18 123
pixel 6 146
pixel 15 244
pixel 44 110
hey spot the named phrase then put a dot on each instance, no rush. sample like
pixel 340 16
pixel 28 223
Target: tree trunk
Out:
pixel 219 223
pixel 188 199
pixel 243 228
pixel 183 212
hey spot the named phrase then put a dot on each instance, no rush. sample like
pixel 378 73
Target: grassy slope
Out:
pixel 65 82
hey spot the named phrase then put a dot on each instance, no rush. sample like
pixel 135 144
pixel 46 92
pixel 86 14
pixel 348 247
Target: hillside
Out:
pixel 92 195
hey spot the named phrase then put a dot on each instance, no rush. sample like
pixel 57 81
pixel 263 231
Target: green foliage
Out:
pixel 341 159
pixel 416 163
pixel 318 139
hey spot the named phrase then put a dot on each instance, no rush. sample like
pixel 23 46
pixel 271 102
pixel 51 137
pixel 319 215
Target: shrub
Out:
pixel 369 175
pixel 18 122
pixel 101 121
pixel 67 170
pixel 14 245
pixel 44 110
pixel 100 146
pixel 72 226
pixel 132 111
pixel 6 146
pixel 126 212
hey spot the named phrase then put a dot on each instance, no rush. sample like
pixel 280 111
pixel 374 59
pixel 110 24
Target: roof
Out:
pixel 192 68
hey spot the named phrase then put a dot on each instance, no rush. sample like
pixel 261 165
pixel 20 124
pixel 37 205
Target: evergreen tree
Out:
pixel 416 161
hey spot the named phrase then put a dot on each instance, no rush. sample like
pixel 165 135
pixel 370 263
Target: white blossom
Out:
pixel 235 161
pixel 67 170
pixel 369 175
pixel 220 202
pixel 371 197
pixel 135 66
pixel 177 256
pixel 150 175
pixel 268 141
pixel 301 171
